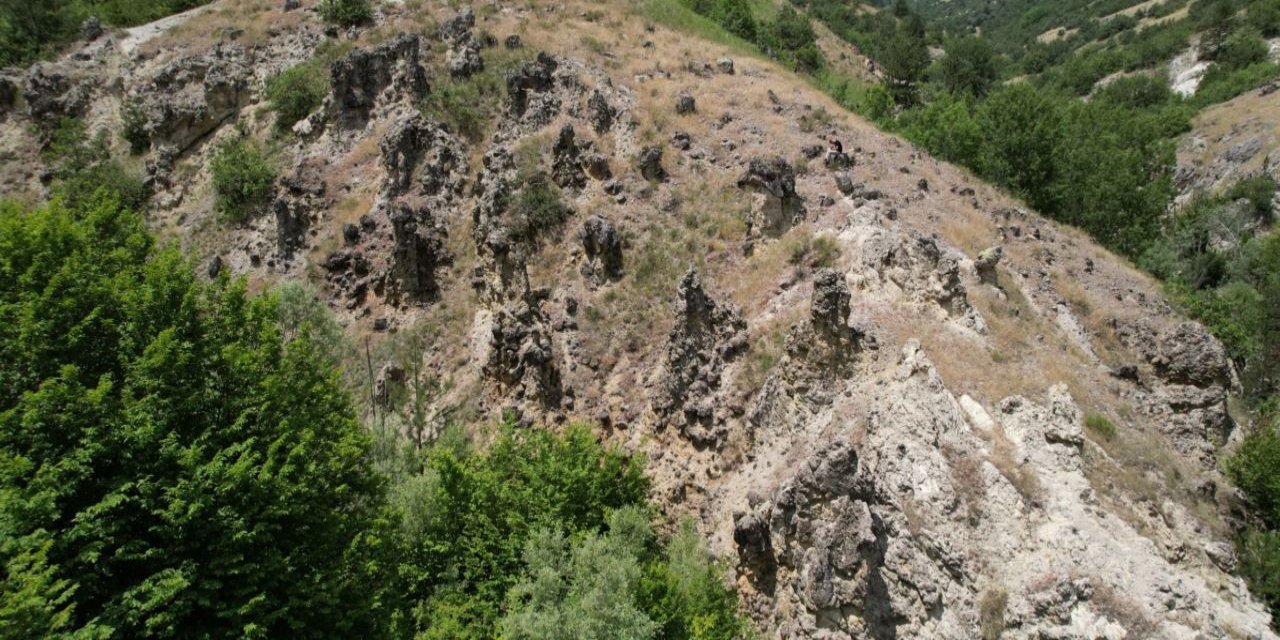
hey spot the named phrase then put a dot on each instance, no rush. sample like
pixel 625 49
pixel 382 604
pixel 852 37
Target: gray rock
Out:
pixel 649 163
pixel 603 248
pixel 985 264
pixel 361 79
pixel 707 336
pixel 782 207
pixel 512 42
pixel 685 104
pixel 725 65
pixel 418 251
pixel 91 29
pixel 566 161
pixel 599 113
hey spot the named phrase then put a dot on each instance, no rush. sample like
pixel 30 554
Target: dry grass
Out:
pixel 966 477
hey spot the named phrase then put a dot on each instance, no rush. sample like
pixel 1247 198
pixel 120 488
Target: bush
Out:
pixel 1100 425
pixel 296 92
pixel 133 128
pixel 1259 554
pixel 243 177
pixel 538 206
pixel 1255 468
pixel 1245 47
pixel 345 13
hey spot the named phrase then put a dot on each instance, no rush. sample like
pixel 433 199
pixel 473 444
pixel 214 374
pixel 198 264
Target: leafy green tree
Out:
pixel 736 17
pixel 947 128
pixel 903 56
pixel 472 516
pixel 585 591
pixel 169 465
pixel 968 67
pixel 1021 127
pixel 1241 49
pixel 790 36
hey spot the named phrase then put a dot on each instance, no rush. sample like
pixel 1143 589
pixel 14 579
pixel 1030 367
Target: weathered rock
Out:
pixel 921 269
pixel 707 335
pixel 599 112
pixel 417 253
pixel 416 147
pixel 1188 354
pixel 532 78
pixel 844 182
pixel 214 268
pixel 458 28
pixel 681 140
pixel 985 264
pixel 350 233
pixel 685 104
pixel 512 42
pixel 603 249
pixel 292 221
pixel 566 163
pixel 649 163
pixel 292 5
pixel 365 78
pixel 725 65
pixel 463 60
pixel 191 96
pixel 51 94
pixel 782 207
pixel 91 29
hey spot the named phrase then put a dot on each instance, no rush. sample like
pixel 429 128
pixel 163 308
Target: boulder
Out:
pixel 782 207
pixel 603 249
pixel 649 163
pixel 725 65
pixel 417 252
pixel 685 104
pixel 91 29
pixel 566 161
pixel 599 113
pixel 985 264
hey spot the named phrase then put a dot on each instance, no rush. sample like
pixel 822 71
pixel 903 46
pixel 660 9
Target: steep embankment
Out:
pixel 869 384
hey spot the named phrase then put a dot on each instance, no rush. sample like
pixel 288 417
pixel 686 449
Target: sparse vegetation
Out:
pixel 32 30
pixel 345 13
pixel 991 607
pixel 1101 426
pixel 295 92
pixel 243 177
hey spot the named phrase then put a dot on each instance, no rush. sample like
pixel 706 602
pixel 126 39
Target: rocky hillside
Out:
pixel 899 403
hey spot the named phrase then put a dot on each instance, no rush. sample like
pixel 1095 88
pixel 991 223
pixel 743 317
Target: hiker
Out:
pixel 835 153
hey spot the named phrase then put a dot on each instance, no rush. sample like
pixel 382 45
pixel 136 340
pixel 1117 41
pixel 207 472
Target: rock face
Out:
pixel 191 96
pixel 462 59
pixel 706 337
pixel 603 249
pixel 566 165
pixel 421 156
pixel 985 264
pixel 366 78
pixel 599 112
pixel 937 518
pixel 649 163
pixel 782 207
pixel 52 93
pixel 1193 378
pixel 417 251
pixel 529 95
pixel 916 265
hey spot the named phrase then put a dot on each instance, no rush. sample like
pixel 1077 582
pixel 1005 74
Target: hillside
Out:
pixel 895 400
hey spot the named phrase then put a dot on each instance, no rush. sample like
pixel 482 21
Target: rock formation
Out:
pixel 782 207
pixel 706 337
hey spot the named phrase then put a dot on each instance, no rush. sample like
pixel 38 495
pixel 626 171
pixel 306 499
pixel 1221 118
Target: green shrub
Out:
pixel 1255 468
pixel 133 128
pixel 243 176
pixel 296 92
pixel 1259 191
pixel 1243 48
pixel 345 13
pixel 538 206
pixel 1101 426
pixel 1259 555
pixel 84 171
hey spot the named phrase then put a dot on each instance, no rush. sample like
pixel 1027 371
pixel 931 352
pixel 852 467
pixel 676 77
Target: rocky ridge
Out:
pixel 886 439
